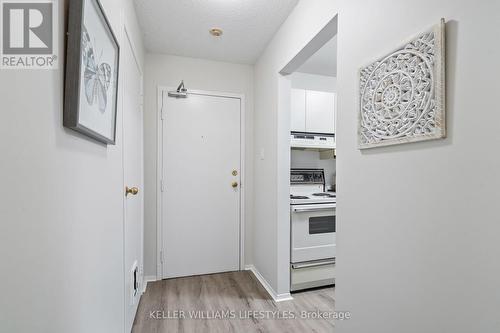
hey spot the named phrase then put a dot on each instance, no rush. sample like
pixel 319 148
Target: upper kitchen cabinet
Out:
pixel 298 105
pixel 312 111
pixel 320 112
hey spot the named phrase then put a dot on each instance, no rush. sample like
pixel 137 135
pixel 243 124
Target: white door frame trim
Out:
pixel 162 93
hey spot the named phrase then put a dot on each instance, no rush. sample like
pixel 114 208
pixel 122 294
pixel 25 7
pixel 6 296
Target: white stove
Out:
pixel 313 230
pixel 307 186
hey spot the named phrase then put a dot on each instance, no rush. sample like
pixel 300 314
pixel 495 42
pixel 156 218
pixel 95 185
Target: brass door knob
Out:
pixel 131 190
pixel 234 184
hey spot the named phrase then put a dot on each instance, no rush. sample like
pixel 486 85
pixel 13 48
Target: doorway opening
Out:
pixel 307 163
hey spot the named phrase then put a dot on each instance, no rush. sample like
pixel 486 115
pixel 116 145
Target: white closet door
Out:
pixel 133 178
pixel 320 112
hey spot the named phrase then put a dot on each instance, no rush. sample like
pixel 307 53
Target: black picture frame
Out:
pixel 73 73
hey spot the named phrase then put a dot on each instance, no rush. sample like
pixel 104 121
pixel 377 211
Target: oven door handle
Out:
pixel 312 208
pixel 313 264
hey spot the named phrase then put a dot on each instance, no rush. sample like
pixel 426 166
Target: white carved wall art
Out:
pixel 402 95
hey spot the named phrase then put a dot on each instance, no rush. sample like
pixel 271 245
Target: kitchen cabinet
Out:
pixel 298 106
pixel 320 112
pixel 312 111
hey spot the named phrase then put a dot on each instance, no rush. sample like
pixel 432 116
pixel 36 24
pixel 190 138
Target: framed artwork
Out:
pixel 402 95
pixel 91 85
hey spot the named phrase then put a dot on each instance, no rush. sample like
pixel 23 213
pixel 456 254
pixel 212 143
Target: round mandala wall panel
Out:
pixel 402 94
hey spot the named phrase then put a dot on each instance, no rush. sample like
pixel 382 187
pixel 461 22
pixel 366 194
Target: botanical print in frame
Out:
pixel 402 95
pixel 91 73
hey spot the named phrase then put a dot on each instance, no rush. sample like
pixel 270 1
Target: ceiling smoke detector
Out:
pixel 216 32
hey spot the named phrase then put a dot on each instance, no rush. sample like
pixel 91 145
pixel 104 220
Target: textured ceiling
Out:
pixel 180 27
pixel 323 62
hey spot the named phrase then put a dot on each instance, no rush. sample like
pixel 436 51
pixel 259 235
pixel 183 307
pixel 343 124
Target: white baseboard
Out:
pixel 274 295
pixel 147 278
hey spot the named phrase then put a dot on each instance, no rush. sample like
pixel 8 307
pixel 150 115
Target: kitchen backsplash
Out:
pixel 310 160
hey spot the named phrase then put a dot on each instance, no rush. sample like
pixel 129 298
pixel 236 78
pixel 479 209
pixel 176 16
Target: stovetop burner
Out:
pixel 326 195
pixel 298 197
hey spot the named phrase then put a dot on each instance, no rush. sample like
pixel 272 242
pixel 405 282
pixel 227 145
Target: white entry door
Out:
pixel 133 180
pixel 201 184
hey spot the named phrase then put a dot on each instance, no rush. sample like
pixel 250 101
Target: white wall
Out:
pixel 313 82
pixel 418 231
pixel 418 224
pixel 198 74
pixel 61 207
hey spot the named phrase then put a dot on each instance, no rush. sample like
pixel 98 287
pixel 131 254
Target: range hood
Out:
pixel 312 140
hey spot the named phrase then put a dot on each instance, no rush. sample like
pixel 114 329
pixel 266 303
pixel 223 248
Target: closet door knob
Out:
pixel 131 190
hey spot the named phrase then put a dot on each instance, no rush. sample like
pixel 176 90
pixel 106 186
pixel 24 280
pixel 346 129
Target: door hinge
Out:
pixel 161 257
pixel 162 186
pixel 162 116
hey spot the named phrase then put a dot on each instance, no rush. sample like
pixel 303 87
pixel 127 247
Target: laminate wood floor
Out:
pixel 225 301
